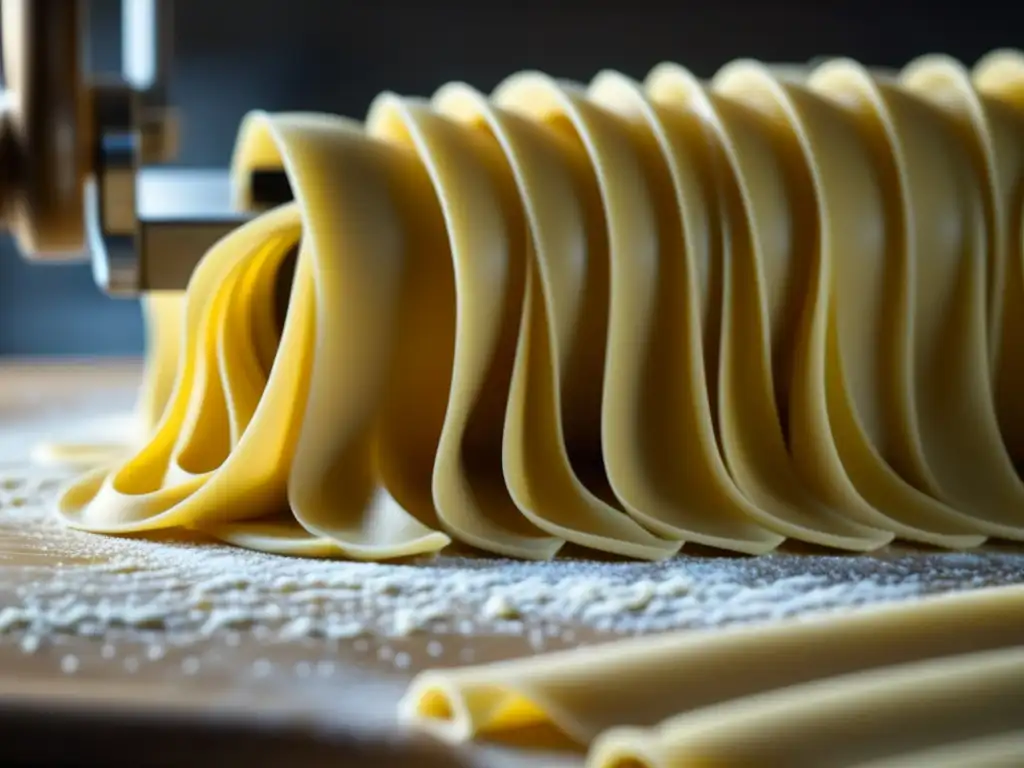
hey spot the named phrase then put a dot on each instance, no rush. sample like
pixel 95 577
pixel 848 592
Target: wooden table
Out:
pixel 121 707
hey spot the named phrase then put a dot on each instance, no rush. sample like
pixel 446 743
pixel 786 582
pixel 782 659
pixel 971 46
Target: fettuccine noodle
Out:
pixel 786 303
pixel 626 316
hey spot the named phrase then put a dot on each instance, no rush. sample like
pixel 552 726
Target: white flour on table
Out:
pixel 181 592
pixel 144 601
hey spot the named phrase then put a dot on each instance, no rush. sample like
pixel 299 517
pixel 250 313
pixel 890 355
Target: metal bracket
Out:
pixel 180 214
pixel 148 227
pixel 75 152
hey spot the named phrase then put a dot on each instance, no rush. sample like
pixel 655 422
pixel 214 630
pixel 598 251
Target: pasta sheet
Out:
pixel 832 690
pixel 780 304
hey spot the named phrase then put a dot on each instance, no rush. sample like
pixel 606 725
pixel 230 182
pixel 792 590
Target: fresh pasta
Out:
pixel 844 721
pixel 785 303
pixel 1002 750
pixel 162 313
pixel 939 679
pixel 641 682
pixel 780 304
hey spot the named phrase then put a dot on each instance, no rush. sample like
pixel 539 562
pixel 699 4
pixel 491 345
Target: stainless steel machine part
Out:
pixel 77 150
pixel 179 214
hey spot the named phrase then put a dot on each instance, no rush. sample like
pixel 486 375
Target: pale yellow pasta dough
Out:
pixel 839 722
pixel 163 315
pixel 233 430
pixel 641 681
pixel 892 470
pixel 1002 750
pixel 999 83
pixel 78 456
pixel 631 454
pixel 472 324
pixel 555 399
pixel 784 303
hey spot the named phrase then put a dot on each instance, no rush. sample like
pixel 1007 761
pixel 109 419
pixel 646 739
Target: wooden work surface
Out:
pixel 96 693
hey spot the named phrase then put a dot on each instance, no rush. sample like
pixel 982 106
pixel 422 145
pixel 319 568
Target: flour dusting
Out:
pixel 181 593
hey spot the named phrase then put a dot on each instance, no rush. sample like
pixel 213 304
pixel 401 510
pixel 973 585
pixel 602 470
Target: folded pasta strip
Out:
pixel 642 681
pixel 846 721
pixel 626 316
pixel 1001 750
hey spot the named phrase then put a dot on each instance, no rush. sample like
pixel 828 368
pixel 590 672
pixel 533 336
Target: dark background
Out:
pixel 336 55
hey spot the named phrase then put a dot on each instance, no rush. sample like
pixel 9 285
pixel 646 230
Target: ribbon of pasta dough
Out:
pixel 645 471
pixel 768 269
pixel 785 303
pixel 482 315
pixel 627 199
pixel 162 315
pixel 889 470
pixel 946 390
pixel 550 446
pixel 837 367
pixel 663 487
pixel 1002 750
pixel 234 443
pixel 851 719
pixel 998 82
pixel 642 681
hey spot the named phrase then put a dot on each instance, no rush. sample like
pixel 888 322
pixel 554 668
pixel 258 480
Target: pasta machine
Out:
pixel 83 155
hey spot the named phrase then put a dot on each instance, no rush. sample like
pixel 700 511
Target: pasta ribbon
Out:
pixel 785 303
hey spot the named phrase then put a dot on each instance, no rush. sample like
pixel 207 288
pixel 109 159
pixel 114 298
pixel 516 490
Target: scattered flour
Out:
pixel 498 606
pixel 181 594
pixel 434 649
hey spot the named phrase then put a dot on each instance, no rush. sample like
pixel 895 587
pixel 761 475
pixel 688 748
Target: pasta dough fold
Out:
pixel 780 304
pixel 851 719
pixel 640 682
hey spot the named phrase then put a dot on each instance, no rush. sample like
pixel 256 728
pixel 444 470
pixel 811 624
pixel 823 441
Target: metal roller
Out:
pixel 76 151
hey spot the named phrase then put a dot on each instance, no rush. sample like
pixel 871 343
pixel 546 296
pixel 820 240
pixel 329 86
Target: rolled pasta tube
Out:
pixel 1003 750
pixel 642 681
pixel 840 722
